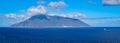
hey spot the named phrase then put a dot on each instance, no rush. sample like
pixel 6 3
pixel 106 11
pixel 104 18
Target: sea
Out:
pixel 60 35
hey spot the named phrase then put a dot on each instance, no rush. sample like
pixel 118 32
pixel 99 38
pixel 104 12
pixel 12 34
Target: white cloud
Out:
pixel 33 10
pixel 11 15
pixel 37 10
pixel 76 15
pixel 40 9
pixel 25 14
pixel 56 5
pixel 111 2
pixel 22 17
pixel 70 15
pixel 14 16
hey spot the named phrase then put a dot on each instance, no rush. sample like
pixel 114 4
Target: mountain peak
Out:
pixel 39 16
pixel 42 20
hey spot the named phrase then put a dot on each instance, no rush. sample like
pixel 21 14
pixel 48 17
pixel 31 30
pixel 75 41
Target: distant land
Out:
pixel 42 20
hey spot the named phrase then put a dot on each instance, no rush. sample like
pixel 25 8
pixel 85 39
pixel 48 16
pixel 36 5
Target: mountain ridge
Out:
pixel 42 20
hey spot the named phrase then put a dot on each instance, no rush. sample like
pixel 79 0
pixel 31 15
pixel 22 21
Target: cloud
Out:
pixel 11 15
pixel 57 5
pixel 33 10
pixel 25 14
pixel 111 2
pixel 37 10
pixel 76 15
pixel 22 17
pixel 14 16
pixel 40 9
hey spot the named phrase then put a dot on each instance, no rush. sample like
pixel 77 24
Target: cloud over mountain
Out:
pixel 71 15
pixel 37 10
pixel 41 9
pixel 48 8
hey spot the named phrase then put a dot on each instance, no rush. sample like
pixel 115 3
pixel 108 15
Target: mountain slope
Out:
pixel 42 20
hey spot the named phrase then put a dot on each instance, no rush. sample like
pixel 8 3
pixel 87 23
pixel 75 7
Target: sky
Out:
pixel 93 12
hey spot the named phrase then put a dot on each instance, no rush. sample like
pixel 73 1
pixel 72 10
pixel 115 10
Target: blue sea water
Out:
pixel 60 35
